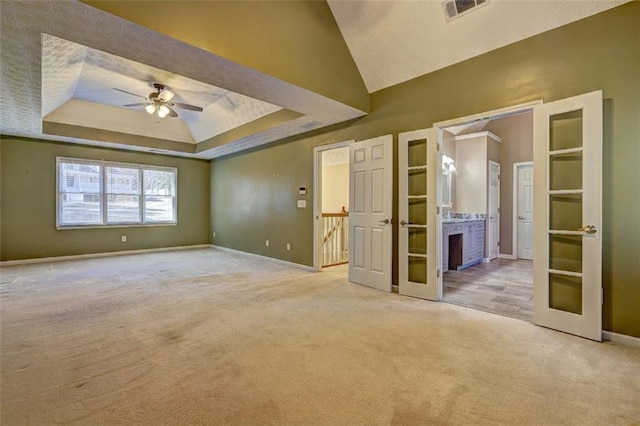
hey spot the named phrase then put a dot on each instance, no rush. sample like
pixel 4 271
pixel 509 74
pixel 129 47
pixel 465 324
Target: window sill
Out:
pixel 124 225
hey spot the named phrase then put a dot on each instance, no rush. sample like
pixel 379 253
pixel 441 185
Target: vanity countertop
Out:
pixel 457 220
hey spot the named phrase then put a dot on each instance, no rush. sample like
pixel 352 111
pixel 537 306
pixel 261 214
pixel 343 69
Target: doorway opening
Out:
pixel 483 161
pixel 331 207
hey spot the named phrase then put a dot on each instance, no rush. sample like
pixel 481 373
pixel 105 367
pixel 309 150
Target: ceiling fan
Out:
pixel 159 102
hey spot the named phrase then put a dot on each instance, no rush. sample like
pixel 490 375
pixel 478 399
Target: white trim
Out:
pixel 103 194
pixel 98 255
pixel 622 339
pixel 493 114
pixel 479 134
pixel 507 256
pixel 488 239
pixel 441 125
pixel 273 259
pixel 317 196
pixel 514 212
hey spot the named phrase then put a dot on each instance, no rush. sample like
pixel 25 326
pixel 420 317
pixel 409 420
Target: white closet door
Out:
pixel 370 208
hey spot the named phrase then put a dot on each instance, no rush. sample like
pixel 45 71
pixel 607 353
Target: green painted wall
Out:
pixel 253 194
pixel 28 204
pixel 294 41
pixel 259 203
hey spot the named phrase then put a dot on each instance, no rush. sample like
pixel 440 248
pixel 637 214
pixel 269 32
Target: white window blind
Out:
pixel 99 193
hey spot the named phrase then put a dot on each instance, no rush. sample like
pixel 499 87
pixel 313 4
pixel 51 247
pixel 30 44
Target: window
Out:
pixel 99 193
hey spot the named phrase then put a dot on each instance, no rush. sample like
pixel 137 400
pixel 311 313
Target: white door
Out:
pixel 418 167
pixel 370 206
pixel 524 212
pixel 494 210
pixel 567 251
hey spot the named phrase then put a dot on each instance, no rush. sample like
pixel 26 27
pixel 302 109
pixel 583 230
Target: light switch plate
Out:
pixel 302 204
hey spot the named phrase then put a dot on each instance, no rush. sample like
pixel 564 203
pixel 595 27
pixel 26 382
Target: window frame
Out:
pixel 103 164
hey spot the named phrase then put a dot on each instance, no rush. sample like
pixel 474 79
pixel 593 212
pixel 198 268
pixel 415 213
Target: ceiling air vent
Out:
pixel 456 8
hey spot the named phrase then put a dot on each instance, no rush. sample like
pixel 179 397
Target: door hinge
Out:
pixel 438 145
pixel 438 273
pixel 602 296
pixel 438 210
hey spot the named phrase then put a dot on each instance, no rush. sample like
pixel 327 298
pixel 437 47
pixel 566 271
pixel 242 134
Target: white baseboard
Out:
pixel 96 255
pixel 623 339
pixel 273 259
pixel 507 256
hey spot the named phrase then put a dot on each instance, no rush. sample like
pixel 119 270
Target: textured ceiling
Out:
pixel 335 157
pixel 44 76
pixel 70 70
pixel 395 41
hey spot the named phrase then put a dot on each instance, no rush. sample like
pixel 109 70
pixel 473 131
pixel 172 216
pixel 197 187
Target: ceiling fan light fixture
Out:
pixel 163 110
pixel 150 108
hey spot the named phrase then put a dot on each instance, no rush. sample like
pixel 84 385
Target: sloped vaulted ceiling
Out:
pixel 261 70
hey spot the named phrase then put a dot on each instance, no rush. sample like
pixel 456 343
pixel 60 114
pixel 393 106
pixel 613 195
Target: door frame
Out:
pixel 317 196
pixel 443 125
pixel 516 193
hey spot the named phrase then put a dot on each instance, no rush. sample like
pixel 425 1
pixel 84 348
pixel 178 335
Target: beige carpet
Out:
pixel 209 337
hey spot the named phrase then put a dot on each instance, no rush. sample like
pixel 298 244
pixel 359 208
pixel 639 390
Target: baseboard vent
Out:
pixel 454 9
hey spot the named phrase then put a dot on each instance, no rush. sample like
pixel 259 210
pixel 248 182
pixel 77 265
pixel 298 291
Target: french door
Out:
pixel 370 208
pixel 567 215
pixel 418 167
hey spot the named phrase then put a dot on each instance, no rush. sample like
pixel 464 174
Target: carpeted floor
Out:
pixel 211 337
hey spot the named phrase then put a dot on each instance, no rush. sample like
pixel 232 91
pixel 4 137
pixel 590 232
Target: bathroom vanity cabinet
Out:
pixel 462 243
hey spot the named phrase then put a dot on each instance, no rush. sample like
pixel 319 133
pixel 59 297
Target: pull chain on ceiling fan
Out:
pixel 159 102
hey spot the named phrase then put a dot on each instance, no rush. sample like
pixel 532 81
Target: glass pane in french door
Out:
pixel 565 201
pixel 417 240
pixel 417 269
pixel 417 211
pixel 417 153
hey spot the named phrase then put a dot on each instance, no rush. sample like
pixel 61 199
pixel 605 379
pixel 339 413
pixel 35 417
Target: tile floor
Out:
pixel 502 286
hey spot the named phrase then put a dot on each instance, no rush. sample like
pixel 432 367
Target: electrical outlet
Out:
pixel 288 246
pixel 213 234
pixel 266 243
pixel 123 238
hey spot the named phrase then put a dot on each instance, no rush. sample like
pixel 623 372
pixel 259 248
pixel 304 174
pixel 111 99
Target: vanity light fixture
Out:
pixel 448 164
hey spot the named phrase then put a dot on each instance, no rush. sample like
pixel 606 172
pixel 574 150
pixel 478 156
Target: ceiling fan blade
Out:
pixel 187 106
pixel 166 96
pixel 124 91
pixel 137 104
pixel 172 112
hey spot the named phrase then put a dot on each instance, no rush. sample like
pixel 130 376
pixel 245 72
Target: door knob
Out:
pixel 386 221
pixel 405 223
pixel 589 229
pixel 521 217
